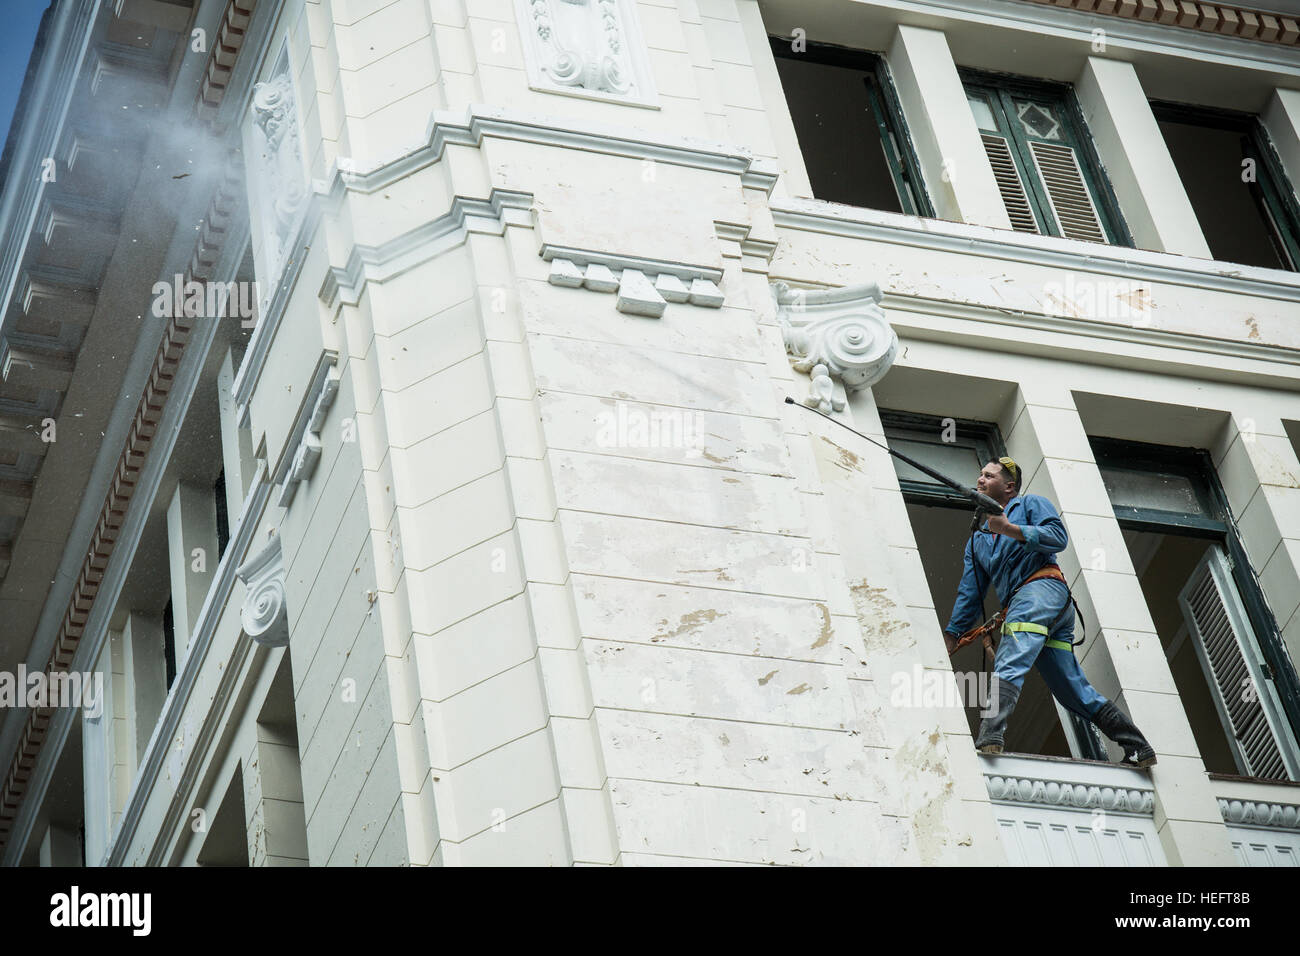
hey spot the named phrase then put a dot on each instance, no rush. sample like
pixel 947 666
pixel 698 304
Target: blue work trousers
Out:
pixel 1026 640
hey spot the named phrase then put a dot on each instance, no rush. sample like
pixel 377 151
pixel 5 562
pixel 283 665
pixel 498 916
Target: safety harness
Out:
pixel 997 624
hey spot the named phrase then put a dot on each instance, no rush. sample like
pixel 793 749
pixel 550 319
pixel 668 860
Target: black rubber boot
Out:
pixel 1114 723
pixel 993 729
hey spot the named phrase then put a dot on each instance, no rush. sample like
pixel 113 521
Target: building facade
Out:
pixel 394 428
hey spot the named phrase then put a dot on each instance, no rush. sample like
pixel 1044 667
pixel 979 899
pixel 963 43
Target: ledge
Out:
pixel 1065 784
pixel 940 235
pixel 469 128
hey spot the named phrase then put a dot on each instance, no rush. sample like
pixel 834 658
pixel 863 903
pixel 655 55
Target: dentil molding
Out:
pixel 644 286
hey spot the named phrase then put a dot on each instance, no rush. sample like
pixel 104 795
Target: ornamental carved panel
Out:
pixel 590 48
pixel 277 183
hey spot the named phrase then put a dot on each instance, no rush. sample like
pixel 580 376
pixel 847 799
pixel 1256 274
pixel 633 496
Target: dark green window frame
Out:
pixel 1216 524
pixel 1274 195
pixel 985 438
pixel 886 111
pixel 999 90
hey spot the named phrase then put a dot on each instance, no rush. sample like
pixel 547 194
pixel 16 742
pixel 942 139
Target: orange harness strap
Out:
pixel 985 632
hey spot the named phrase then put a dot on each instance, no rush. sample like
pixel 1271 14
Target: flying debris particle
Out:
pixel 180 176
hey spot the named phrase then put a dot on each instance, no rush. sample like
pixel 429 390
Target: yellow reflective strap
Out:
pixel 1060 645
pixel 1023 626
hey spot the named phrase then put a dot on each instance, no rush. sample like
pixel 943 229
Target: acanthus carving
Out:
pixel 1258 813
pixel 1070 796
pixel 277 164
pixel 264 616
pixel 836 335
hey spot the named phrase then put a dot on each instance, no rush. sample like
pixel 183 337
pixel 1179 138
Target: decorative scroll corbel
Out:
pixel 264 616
pixel 303 463
pixel 837 336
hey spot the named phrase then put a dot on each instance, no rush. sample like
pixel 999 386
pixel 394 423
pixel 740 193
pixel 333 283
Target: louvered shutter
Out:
pixel 1225 643
pixel 1067 192
pixel 1009 183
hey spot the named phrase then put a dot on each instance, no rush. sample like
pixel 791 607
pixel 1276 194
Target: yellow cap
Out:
pixel 1009 464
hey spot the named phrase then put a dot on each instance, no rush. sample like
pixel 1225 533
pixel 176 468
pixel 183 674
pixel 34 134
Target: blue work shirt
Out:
pixel 1004 560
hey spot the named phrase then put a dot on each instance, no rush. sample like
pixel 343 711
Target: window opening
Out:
pixel 1043 160
pixel 1234 180
pixel 940 520
pixel 1234 678
pixel 850 128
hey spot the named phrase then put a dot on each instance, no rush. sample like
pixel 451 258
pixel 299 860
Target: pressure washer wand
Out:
pixel 979 499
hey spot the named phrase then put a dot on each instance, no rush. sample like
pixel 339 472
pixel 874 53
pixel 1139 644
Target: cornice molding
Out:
pixel 470 127
pixel 231 33
pixel 377 263
pixel 1070 20
pixel 1259 813
pixel 1070 796
pixel 60 77
pixel 940 235
pixel 1179 353
pixel 1214 18
pixel 163 377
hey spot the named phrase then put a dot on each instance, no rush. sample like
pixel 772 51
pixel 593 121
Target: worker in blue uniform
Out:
pixel 1015 553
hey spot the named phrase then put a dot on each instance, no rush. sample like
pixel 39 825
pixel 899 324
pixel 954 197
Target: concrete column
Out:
pixel 1260 473
pixel 59 847
pixel 1134 154
pixel 192 548
pixel 116 709
pixel 947 141
pixel 1125 661
pixel 103 753
pixel 899 633
pixel 276 818
pixel 236 443
pixel 1281 118
pixel 144 667
pixel 794 179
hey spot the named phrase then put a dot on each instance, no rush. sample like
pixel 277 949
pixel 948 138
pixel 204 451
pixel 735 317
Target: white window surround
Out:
pixel 1047 42
pixel 1051 42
